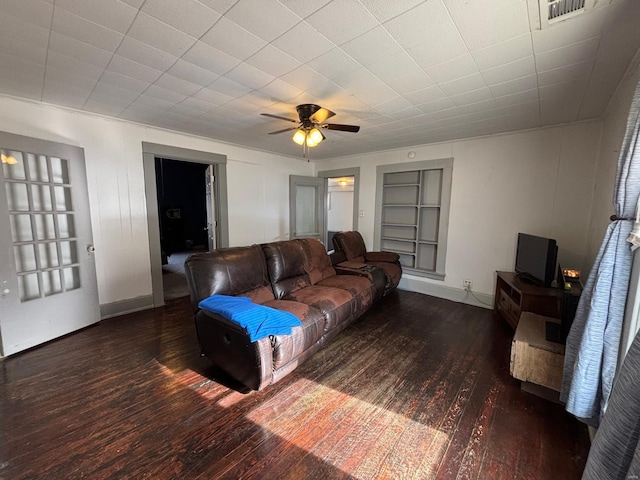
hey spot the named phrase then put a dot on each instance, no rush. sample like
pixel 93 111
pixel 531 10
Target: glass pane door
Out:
pixel 41 219
pixel 47 269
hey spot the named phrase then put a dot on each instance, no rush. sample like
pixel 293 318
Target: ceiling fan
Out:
pixel 312 119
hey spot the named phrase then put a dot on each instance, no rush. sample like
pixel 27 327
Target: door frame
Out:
pixel 149 153
pixel 321 204
pixel 346 172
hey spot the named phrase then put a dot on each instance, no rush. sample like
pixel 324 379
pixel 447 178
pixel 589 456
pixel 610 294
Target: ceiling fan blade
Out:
pixel 283 130
pixel 321 115
pixel 343 128
pixel 279 117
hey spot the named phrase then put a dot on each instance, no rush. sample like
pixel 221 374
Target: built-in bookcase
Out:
pixel 412 214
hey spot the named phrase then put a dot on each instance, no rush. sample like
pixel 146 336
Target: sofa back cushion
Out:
pixel 317 261
pixel 286 262
pixel 352 244
pixel 229 271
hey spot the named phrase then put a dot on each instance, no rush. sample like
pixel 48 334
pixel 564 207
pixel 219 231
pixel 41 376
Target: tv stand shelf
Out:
pixel 514 296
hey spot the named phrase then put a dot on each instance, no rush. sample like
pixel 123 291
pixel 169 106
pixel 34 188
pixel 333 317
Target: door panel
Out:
pixel 48 282
pixel 211 207
pixel 307 200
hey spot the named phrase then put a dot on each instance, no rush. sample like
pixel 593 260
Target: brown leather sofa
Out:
pixel 355 252
pixel 295 276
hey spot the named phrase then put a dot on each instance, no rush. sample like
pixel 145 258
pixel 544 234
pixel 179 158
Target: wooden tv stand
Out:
pixel 514 296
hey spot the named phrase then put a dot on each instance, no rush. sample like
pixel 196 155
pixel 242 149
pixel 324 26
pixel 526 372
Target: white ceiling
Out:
pixel 408 72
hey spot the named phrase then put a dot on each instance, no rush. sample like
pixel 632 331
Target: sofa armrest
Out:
pixel 390 257
pixel 229 347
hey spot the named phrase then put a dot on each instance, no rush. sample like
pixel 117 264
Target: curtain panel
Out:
pixel 591 354
pixel 614 454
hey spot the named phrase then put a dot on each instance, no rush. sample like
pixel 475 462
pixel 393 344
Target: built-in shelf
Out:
pixel 411 199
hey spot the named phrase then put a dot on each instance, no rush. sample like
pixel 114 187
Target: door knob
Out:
pixel 91 248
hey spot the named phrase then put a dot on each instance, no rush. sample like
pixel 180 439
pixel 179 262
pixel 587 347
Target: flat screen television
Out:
pixel 536 259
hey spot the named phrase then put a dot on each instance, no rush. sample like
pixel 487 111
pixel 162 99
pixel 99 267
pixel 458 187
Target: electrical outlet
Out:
pixel 467 284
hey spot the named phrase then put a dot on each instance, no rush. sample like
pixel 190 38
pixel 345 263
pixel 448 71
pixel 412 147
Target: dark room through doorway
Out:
pixel 182 213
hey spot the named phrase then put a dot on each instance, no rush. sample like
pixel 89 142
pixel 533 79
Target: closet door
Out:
pixel 48 282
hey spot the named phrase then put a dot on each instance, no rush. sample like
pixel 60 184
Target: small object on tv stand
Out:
pixel 569 281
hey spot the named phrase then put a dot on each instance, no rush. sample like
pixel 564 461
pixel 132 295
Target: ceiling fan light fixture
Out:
pixel 312 120
pixel 300 136
pixel 314 137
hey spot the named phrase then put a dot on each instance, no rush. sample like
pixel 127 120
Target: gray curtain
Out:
pixel 615 453
pixel 592 345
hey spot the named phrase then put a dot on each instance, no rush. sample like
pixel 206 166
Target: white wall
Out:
pixel 258 187
pixel 538 181
pixel 614 126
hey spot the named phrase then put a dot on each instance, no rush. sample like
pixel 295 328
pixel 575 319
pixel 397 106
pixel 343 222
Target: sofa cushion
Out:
pixel 288 347
pixel 361 288
pixel 318 263
pixel 336 304
pixel 229 271
pixel 286 263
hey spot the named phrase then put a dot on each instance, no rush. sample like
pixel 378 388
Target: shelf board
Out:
pixel 399 205
pixel 386 185
pixel 399 225
pixel 428 242
pixel 401 253
pixel 397 239
pixel 430 205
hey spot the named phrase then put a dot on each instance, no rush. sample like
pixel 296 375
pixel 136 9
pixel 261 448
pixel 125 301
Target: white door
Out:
pixel 48 282
pixel 307 207
pixel 211 207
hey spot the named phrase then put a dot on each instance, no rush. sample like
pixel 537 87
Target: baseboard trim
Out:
pixel 459 295
pixel 108 310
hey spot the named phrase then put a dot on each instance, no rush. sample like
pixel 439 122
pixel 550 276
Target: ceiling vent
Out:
pixel 558 10
pixel 544 13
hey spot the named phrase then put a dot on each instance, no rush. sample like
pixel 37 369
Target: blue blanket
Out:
pixel 257 320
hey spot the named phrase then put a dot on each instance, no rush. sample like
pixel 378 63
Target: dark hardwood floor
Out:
pixel 417 388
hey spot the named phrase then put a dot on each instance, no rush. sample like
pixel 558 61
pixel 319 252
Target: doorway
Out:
pixel 211 168
pixel 343 187
pixel 182 212
pixel 339 207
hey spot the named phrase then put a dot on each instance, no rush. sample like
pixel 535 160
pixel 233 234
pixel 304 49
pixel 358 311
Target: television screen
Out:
pixel 536 258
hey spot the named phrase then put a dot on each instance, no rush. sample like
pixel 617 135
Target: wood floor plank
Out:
pixel 417 388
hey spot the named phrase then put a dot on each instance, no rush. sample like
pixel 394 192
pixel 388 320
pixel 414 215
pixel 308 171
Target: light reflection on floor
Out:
pixel 359 438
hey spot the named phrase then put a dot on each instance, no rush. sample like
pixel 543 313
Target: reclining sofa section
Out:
pixel 295 276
